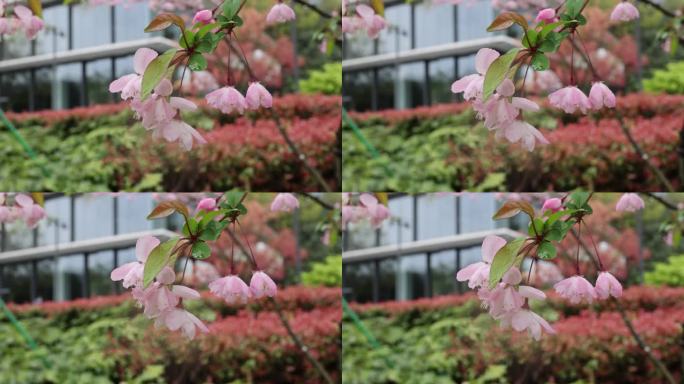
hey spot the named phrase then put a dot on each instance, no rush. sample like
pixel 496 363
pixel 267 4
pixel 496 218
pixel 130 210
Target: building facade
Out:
pixel 418 251
pixel 72 252
pixel 414 61
pixel 72 61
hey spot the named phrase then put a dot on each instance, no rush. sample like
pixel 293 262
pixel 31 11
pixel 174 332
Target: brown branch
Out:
pixel 318 201
pixel 666 203
pixel 644 156
pixel 659 7
pixel 314 8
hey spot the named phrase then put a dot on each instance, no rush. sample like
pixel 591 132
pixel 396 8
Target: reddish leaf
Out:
pixel 505 20
pixel 512 208
pixel 166 208
pixel 164 21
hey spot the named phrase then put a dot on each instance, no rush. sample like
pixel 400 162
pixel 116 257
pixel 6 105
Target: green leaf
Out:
pixel 206 29
pixel 546 250
pixel 238 21
pixel 155 72
pixel 548 28
pixel 212 231
pixel 190 227
pixel 209 216
pixel 233 198
pixel 201 250
pixel 558 230
pixel 581 20
pixel 230 8
pixel 189 36
pixel 536 227
pixel 204 46
pixel 197 62
pixel 498 71
pixel 159 258
pixel 530 39
pixel 504 260
pixel 573 7
pixel 540 62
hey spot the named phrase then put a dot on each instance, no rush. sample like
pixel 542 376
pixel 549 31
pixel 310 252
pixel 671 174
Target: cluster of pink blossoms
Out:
pixel 501 111
pixel 284 202
pixel 363 18
pixel 23 19
pixel 228 99
pixel 162 299
pixel 24 208
pixel 160 113
pixel 368 208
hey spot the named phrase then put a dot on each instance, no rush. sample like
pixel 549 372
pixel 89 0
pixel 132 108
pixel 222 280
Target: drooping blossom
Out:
pixel 25 20
pixel 284 202
pixel 523 132
pixel 178 318
pixel 204 16
pixel 547 15
pixel 377 213
pixel 230 288
pixel 363 18
pixel 262 285
pixel 525 319
pixel 130 85
pixel 477 274
pixel 471 85
pixel 624 11
pixel 227 100
pixel 629 202
pixel 206 204
pixel 601 96
pixel 576 289
pixel 280 13
pixel 258 96
pixel 570 99
pixel 132 273
pixel 31 212
pixel 553 204
pixel 607 285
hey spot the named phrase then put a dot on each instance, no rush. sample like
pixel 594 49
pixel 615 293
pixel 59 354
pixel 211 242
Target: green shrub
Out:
pixel 327 273
pixel 670 273
pixel 670 80
pixel 327 81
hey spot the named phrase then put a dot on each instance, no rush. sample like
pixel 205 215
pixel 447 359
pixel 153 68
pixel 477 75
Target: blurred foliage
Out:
pixel 669 80
pixel 327 273
pixel 670 273
pixel 327 80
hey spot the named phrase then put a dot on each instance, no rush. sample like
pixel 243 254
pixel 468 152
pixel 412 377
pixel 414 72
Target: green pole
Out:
pixel 359 324
pixel 22 331
pixel 13 130
pixel 357 132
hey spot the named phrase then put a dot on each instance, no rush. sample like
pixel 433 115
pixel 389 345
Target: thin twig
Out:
pixel 314 8
pixel 318 201
pixel 666 203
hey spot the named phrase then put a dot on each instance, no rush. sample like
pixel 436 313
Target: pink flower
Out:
pixel 554 205
pixel 471 85
pixel 32 24
pixel 284 202
pixel 176 318
pixel 352 214
pixel 129 85
pixel 575 289
pixel 32 213
pixel 377 213
pixel 523 132
pixel 204 16
pixel 227 100
pixel 231 288
pixel 206 204
pixel 177 130
pixel 629 202
pixel 280 13
pixel 600 95
pixel 132 273
pixel 624 11
pixel 261 285
pixel 547 15
pixel 607 285
pixel 570 99
pixel 527 320
pixel 477 274
pixel 257 96
pixel 372 22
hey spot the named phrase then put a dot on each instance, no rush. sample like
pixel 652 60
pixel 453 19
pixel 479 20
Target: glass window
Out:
pixel 91 26
pixel 124 256
pixel 69 277
pixel 128 15
pixel 386 79
pixel 412 277
pixel 443 269
pixel 466 65
pixel 129 207
pixel 15 89
pixel 357 90
pixel 42 90
pixel 409 91
pixel 468 256
pixel 436 216
pixel 358 282
pixel 474 19
pixel 94 217
pixel 123 66
pixel 397 36
pixel 442 73
pixel 45 271
pixel 400 227
pixel 100 265
pixel 16 279
pixel 98 77
pixel 55 36
pixel 434 24
pixel 66 91
pixel 55 229
pixel 387 282
pixel 475 212
pixel 358 45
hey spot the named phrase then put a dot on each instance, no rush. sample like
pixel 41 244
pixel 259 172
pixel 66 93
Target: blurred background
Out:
pixel 409 320
pixel 56 281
